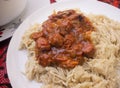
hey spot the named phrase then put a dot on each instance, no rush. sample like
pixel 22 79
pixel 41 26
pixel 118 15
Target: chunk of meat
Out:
pixel 65 61
pixel 69 63
pixel 36 35
pixel 78 48
pixel 61 58
pixel 42 44
pixel 69 40
pixel 45 59
pixel 56 40
pixel 65 27
pixel 49 27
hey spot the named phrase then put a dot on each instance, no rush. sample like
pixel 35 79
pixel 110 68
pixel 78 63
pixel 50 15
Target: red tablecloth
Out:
pixel 4 81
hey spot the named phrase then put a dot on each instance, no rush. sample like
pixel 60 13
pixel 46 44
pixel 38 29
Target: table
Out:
pixel 4 80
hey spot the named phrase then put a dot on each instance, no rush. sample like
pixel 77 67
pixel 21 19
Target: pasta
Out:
pixel 99 72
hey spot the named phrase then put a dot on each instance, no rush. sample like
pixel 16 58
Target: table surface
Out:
pixel 4 80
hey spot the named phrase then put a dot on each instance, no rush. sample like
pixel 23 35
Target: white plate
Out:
pixel 31 6
pixel 16 59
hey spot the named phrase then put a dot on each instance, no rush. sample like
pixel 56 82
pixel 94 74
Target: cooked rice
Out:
pixel 99 72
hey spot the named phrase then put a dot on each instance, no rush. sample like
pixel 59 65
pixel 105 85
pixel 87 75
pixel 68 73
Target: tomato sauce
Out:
pixel 64 40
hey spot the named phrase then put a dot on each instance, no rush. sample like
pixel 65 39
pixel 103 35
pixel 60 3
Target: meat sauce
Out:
pixel 64 40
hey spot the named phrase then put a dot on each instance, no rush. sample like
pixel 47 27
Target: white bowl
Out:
pixel 10 9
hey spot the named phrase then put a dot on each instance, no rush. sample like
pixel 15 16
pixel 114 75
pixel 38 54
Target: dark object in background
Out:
pixel 115 3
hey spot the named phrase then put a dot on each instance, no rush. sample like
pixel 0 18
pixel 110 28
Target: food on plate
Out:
pixel 64 40
pixel 73 50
